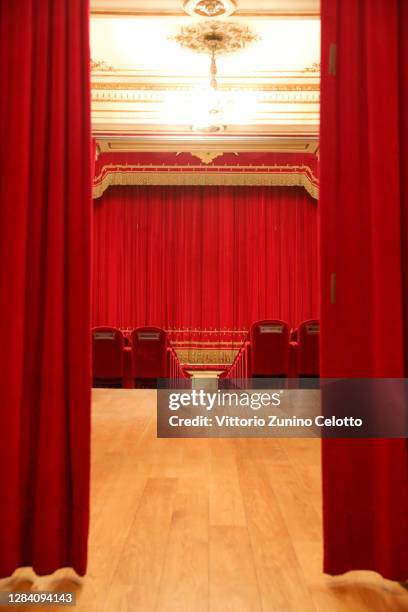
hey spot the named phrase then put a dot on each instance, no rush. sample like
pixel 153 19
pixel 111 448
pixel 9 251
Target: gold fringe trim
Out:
pixel 276 176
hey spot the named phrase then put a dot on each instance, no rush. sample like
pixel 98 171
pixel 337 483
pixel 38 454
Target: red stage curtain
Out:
pixel 44 284
pixel 207 258
pixel 364 206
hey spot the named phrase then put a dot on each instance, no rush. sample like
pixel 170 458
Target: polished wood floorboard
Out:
pixel 196 525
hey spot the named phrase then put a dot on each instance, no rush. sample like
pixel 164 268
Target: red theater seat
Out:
pixel 107 357
pixel 269 355
pixel 150 355
pixel 308 349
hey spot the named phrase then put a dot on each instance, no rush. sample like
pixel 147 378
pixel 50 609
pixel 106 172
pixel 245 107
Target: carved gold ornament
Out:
pixel 209 8
pixel 207 156
pixel 101 66
pixel 315 67
pixel 215 37
pixel 214 356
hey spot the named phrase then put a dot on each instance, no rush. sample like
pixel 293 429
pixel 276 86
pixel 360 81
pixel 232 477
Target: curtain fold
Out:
pixel 364 253
pixel 204 258
pixel 45 192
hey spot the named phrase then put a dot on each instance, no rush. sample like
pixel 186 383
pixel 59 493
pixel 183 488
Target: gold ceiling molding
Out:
pixel 209 8
pixel 206 8
pixel 154 111
pixel 265 74
pixel 168 143
pixel 160 93
pixel 141 98
pixel 273 176
pixel 125 86
pixel 239 14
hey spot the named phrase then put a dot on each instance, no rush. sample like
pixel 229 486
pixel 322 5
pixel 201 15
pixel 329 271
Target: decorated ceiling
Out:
pixel 155 88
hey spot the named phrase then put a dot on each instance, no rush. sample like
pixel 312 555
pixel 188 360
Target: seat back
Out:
pixel 308 349
pixel 149 353
pixel 107 354
pixel 269 355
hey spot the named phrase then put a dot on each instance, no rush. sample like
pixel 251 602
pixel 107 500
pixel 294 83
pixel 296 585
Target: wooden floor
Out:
pixel 192 525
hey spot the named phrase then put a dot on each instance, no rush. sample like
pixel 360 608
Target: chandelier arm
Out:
pixel 213 70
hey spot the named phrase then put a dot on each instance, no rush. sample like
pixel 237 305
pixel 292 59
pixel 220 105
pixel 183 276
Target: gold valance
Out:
pixel 277 176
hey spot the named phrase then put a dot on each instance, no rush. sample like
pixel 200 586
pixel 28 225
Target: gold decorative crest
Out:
pixel 207 156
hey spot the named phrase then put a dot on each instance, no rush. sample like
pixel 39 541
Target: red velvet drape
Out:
pixel 204 257
pixel 364 206
pixel 44 284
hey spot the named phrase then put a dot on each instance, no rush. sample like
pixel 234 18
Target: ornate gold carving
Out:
pixel 206 356
pixel 187 344
pixel 215 37
pixel 200 330
pixel 210 8
pixel 278 176
pixel 101 66
pixel 207 156
pixel 315 67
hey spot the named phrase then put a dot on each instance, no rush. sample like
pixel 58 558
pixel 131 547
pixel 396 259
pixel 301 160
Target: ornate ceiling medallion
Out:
pixel 210 8
pixel 215 37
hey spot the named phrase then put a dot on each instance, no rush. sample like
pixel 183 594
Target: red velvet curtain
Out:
pixel 214 258
pixel 45 191
pixel 364 252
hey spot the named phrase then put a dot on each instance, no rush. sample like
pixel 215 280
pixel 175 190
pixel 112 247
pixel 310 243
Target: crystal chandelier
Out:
pixel 213 38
